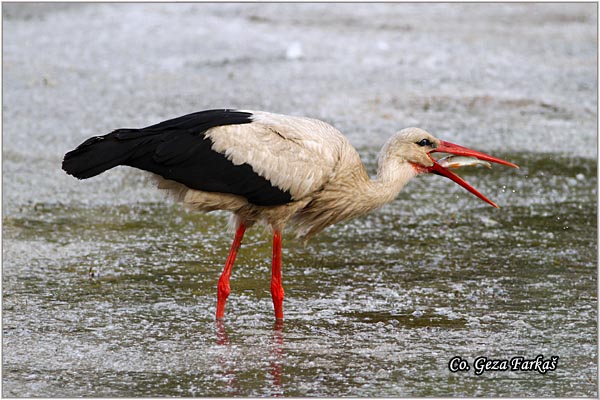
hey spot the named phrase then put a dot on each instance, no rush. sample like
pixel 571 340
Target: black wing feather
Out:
pixel 177 149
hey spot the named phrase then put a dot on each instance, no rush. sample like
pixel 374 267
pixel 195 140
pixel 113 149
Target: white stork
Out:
pixel 267 168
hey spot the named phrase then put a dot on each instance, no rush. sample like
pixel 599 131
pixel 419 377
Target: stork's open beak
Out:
pixel 447 147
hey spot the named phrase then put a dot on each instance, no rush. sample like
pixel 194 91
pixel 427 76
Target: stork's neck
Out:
pixel 353 193
pixel 392 175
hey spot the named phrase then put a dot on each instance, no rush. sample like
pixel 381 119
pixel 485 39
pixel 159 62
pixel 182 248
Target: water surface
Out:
pixel 119 300
pixel 109 289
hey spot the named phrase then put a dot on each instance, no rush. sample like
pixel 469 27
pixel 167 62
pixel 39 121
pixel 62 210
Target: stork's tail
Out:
pixel 101 153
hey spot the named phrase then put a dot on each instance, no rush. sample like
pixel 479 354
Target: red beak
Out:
pixel 447 147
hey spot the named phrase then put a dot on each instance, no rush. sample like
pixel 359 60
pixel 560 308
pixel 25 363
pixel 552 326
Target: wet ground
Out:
pixel 109 289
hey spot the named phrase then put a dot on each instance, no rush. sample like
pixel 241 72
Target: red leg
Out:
pixel 276 285
pixel 223 288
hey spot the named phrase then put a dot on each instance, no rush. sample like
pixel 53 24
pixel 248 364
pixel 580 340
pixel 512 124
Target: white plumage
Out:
pixel 296 154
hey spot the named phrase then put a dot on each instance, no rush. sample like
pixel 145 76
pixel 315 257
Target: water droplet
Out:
pixel 294 51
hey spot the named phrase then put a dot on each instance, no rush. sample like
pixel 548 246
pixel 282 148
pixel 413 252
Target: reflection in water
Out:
pixel 227 361
pixel 222 338
pixel 277 356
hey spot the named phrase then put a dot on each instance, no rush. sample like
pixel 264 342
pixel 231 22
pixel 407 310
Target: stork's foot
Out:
pixel 223 288
pixel 277 294
pixel 223 291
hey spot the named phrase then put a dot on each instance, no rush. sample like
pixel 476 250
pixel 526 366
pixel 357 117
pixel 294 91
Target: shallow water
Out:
pixel 110 290
pixel 119 300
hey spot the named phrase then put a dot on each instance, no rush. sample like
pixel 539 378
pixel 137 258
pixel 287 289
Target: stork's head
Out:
pixel 414 145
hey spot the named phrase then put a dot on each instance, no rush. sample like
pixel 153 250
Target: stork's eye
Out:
pixel 424 142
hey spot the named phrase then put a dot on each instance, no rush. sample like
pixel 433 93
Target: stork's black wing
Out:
pixel 177 149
